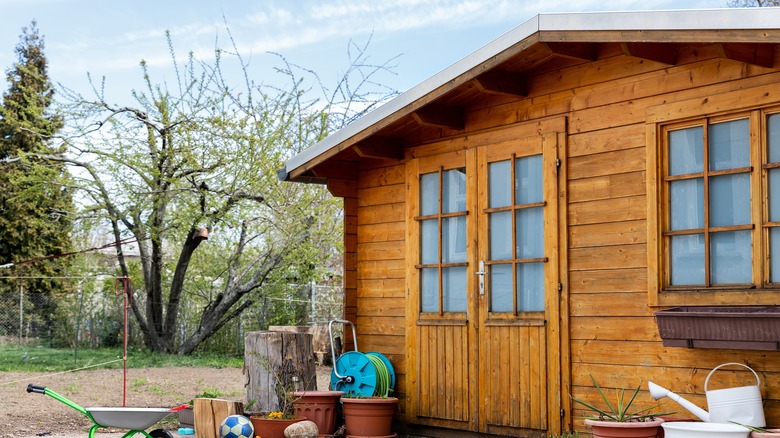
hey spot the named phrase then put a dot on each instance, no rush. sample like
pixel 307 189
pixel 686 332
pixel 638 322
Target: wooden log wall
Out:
pixel 612 334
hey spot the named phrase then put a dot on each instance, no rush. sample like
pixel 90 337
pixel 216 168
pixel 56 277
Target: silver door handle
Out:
pixel 481 274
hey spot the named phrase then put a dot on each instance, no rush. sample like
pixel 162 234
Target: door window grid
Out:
pixel 516 265
pixel 443 241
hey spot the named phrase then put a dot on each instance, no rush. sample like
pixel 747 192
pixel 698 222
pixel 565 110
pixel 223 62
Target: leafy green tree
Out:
pixel 35 199
pixel 189 172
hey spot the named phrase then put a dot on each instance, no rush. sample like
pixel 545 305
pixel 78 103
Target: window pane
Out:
pixel 501 297
pixel 454 239
pixel 731 261
pixel 500 184
pixel 729 145
pixel 687 199
pixel 429 194
pixel 686 151
pixel 773 133
pixel 454 191
pixel 730 200
pixel 530 287
pixel 528 180
pixel 430 241
pixel 688 259
pixel 430 290
pixel 774 255
pixel 530 235
pixel 774 195
pixel 454 289
pixel 501 235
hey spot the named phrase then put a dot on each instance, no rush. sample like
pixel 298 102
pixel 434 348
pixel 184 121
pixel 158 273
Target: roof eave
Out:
pixel 512 43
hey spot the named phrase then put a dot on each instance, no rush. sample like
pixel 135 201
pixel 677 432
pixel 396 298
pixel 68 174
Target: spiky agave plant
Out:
pixel 619 410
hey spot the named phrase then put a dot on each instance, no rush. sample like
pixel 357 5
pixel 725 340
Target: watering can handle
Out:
pixel 726 364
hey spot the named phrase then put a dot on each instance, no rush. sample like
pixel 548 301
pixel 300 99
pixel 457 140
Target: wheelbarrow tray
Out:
pixel 128 418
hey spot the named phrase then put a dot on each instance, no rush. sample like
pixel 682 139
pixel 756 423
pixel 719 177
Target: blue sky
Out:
pixel 109 38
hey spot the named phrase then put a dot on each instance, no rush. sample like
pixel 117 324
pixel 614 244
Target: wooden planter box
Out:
pixel 724 327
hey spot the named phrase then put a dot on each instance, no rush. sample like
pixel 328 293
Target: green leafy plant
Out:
pixel 619 410
pixel 756 428
pixel 574 434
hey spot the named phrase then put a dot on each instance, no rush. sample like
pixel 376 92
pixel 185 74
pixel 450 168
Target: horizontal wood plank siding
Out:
pixel 613 334
pixel 380 267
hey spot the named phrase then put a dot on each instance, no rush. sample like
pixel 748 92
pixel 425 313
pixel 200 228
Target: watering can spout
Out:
pixel 658 392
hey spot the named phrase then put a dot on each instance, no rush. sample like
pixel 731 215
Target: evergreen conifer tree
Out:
pixel 35 200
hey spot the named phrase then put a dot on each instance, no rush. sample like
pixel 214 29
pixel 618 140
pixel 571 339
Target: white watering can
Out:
pixel 741 404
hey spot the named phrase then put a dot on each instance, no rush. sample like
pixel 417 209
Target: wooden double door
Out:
pixel 483 311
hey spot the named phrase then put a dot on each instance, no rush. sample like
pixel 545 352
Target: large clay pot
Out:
pixel 369 417
pixel 319 407
pixel 271 427
pixel 629 429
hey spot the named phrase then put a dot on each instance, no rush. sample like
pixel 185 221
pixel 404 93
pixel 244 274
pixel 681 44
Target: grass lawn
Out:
pixel 42 359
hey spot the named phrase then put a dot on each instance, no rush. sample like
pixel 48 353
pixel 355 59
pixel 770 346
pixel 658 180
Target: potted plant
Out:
pixel 368 416
pixel 760 432
pixel 272 424
pixel 618 414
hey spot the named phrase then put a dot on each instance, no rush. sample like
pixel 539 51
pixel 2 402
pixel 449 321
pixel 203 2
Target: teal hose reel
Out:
pixel 360 374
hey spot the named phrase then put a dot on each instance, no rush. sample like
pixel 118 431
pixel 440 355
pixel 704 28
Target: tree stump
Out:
pixel 276 363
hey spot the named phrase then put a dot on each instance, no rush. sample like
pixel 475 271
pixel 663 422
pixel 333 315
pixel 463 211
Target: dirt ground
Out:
pixel 30 414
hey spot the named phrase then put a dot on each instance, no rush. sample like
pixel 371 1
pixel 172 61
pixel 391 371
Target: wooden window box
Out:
pixel 724 327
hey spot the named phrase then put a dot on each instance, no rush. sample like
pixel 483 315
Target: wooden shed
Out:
pixel 513 223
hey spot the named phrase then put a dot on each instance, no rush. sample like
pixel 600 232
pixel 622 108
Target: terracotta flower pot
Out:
pixel 630 429
pixel 769 433
pixel 319 407
pixel 271 427
pixel 369 417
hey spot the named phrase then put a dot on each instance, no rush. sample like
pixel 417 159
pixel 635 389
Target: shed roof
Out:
pixel 545 41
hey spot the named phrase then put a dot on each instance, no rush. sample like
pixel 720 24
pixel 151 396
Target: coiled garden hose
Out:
pixel 382 376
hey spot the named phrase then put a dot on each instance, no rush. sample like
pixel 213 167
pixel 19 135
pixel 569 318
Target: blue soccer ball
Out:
pixel 236 426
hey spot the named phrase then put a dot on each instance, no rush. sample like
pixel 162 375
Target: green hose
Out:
pixel 382 376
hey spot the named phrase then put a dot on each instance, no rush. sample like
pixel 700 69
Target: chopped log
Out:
pixel 209 414
pixel 276 363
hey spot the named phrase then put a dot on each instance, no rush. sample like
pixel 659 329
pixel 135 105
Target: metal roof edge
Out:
pixel 700 19
pixel 681 19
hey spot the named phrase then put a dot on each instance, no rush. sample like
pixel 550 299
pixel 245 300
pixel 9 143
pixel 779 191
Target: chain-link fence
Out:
pixel 89 313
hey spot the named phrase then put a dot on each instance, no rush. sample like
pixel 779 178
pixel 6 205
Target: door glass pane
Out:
pixel 429 194
pixel 530 287
pixel 501 235
pixel 528 180
pixel 454 193
pixel 501 297
pixel 687 200
pixel 774 195
pixel 500 188
pixel 454 239
pixel 731 261
pixel 430 290
pixel 774 254
pixel 730 200
pixel 530 236
pixel 454 289
pixel 686 151
pixel 773 134
pixel 729 145
pixel 688 259
pixel 430 241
